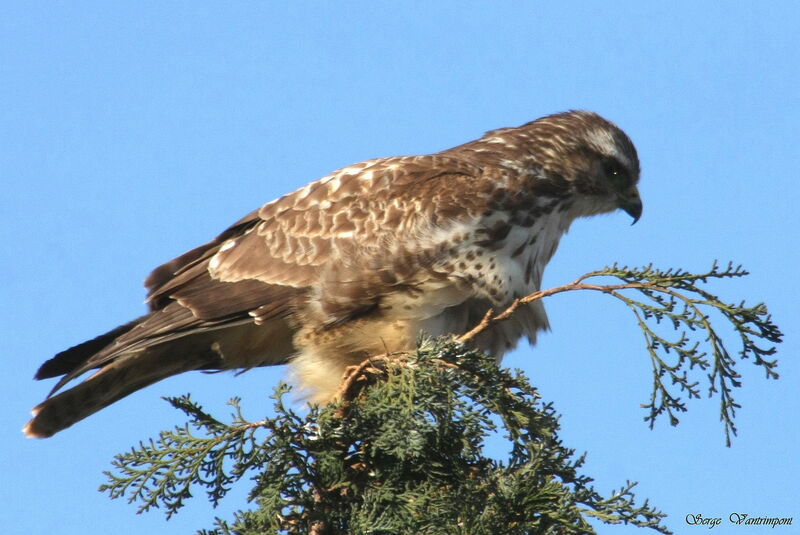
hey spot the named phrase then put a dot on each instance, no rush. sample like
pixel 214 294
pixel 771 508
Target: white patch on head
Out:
pixel 227 245
pixel 603 140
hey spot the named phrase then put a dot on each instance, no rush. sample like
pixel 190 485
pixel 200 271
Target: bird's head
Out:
pixel 596 159
pixel 576 154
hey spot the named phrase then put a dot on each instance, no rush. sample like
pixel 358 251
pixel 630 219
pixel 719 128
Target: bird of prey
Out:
pixel 360 263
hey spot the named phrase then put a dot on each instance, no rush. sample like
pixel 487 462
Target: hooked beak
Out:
pixel 632 205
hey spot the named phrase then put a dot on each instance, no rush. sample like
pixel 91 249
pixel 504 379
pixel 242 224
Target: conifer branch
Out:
pixel 674 298
pixel 402 450
pixel 161 472
pixel 407 456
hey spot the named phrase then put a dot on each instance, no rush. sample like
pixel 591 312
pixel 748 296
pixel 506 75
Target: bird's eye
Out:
pixel 616 173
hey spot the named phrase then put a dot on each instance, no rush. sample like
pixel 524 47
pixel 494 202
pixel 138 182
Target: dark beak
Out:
pixel 632 206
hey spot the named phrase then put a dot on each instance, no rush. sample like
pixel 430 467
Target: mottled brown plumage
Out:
pixel 361 262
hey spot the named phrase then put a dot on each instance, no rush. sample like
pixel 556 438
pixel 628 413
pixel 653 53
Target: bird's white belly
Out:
pixel 496 278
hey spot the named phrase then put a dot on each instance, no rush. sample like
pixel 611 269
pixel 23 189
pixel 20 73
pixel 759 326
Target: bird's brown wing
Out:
pixel 318 256
pixel 337 235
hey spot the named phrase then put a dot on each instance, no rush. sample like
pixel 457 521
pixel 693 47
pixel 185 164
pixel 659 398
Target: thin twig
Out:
pixel 491 318
pixel 353 375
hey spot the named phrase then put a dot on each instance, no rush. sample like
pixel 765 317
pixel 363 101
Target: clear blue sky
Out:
pixel 132 132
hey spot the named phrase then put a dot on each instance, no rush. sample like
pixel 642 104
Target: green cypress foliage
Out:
pixel 403 449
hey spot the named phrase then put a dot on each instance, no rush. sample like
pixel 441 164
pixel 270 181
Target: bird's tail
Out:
pixel 125 375
pixel 126 359
pixel 153 347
